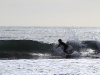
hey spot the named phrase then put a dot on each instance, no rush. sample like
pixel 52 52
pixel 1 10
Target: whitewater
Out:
pixel 32 51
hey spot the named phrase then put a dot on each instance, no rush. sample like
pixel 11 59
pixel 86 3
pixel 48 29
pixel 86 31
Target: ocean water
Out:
pixel 40 42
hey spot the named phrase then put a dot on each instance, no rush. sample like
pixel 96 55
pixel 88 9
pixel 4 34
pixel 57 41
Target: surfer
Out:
pixel 63 44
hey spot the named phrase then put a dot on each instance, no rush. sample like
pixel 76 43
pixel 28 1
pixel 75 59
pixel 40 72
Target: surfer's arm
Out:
pixel 58 45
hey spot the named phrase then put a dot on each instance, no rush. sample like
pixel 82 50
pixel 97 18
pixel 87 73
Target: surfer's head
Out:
pixel 59 40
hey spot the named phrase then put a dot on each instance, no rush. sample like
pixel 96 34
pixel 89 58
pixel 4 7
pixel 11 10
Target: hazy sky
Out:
pixel 50 13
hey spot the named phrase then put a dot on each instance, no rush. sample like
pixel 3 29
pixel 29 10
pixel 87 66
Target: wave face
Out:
pixel 24 45
pixel 22 48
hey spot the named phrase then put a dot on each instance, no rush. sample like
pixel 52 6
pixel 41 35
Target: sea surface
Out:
pixel 41 42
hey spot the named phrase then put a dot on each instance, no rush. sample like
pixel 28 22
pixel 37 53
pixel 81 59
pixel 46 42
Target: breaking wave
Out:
pixel 83 48
pixel 26 49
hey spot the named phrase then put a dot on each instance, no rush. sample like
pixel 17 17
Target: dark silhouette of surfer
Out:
pixel 63 44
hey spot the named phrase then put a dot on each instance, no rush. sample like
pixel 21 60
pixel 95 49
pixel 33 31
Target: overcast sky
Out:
pixel 50 13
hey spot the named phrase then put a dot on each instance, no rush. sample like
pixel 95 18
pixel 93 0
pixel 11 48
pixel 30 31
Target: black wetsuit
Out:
pixel 65 46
